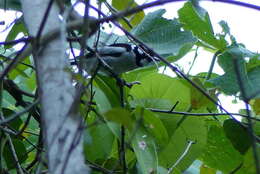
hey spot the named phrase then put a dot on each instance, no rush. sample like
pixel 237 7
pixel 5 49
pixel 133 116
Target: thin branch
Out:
pixel 133 10
pixel 96 167
pixel 199 114
pixel 42 24
pixel 238 3
pixel 182 156
pixel 162 2
pixel 114 11
pixel 6 58
pixel 212 64
pixel 194 59
pixel 18 114
pixel 16 160
pixel 19 57
pixel 250 128
pixel 17 41
pixel 15 91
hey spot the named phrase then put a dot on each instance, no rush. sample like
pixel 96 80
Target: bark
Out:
pixel 62 129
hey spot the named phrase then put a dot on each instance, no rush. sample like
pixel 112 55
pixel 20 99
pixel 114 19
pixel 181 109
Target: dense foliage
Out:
pixel 163 124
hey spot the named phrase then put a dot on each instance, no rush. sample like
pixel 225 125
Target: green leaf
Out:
pixel 153 125
pixel 254 82
pixel 237 135
pixel 98 142
pixel 145 150
pixel 163 35
pixel 120 116
pixel 206 170
pixel 225 27
pixel 191 129
pixel 159 86
pixel 200 25
pixel 31 82
pixel 16 123
pixel 248 166
pixel 19 70
pixel 198 100
pixel 109 87
pixel 18 27
pixel 162 170
pixel 228 82
pixel 254 62
pixel 220 153
pixel 11 5
pixel 170 122
pixel 103 103
pixel 255 104
pixel 133 19
pixel 20 151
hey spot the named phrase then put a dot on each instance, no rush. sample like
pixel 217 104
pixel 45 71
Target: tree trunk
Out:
pixel 62 129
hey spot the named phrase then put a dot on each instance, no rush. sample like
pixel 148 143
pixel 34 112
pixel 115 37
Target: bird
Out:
pixel 116 58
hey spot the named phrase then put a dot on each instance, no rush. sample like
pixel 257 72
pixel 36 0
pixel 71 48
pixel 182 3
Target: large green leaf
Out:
pixel 99 142
pixel 206 170
pixel 163 35
pixel 109 88
pixel 237 135
pixel 20 151
pixel 153 125
pixel 133 19
pixel 248 165
pixel 199 100
pixel 200 25
pixel 220 153
pixel 20 69
pixel 160 87
pixel 170 122
pixel 16 123
pixel 254 82
pixel 191 129
pixel 103 103
pixel 228 82
pixel 145 150
pixel 120 116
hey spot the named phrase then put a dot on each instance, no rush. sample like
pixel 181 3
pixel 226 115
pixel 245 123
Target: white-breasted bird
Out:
pixel 118 58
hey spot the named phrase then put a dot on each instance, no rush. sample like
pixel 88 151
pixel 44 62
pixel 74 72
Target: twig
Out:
pixel 199 114
pixel 250 128
pixel 212 65
pixel 42 24
pixel 15 115
pixel 114 11
pixel 182 156
pixel 6 59
pixel 12 149
pixel 238 3
pixel 194 59
pixel 14 42
pixel 19 57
